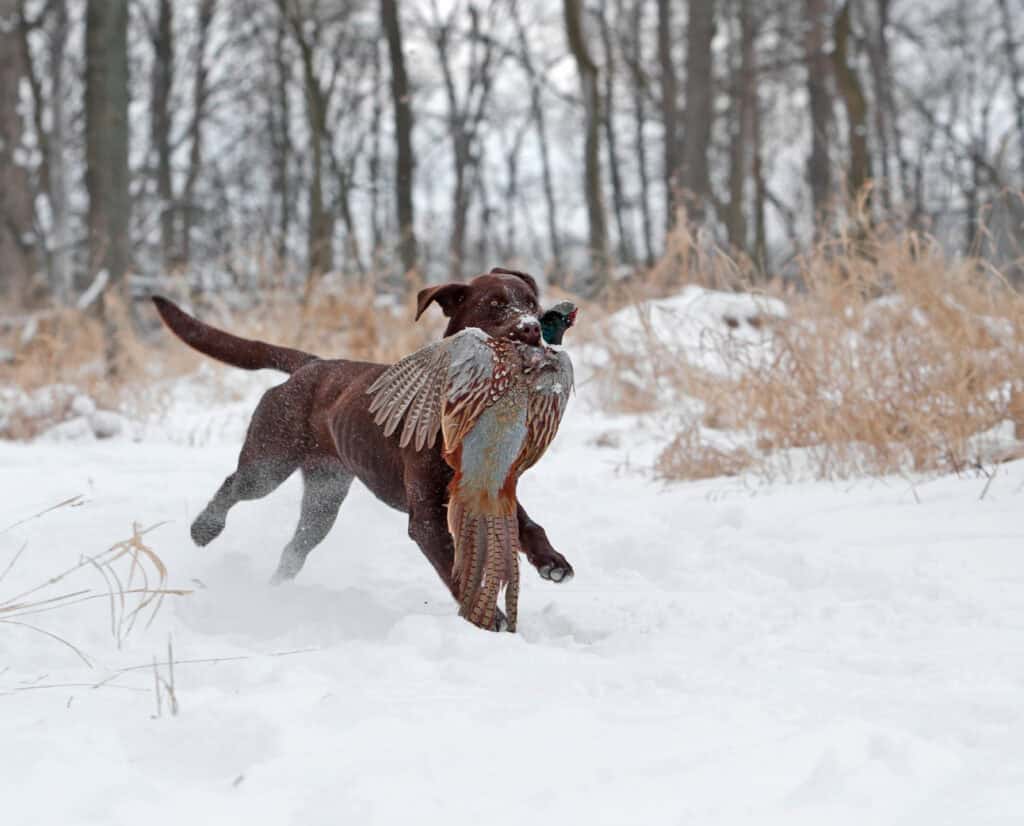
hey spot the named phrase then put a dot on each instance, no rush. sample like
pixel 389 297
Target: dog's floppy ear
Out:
pixel 448 296
pixel 531 282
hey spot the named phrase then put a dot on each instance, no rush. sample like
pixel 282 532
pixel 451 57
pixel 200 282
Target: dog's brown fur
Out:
pixel 318 421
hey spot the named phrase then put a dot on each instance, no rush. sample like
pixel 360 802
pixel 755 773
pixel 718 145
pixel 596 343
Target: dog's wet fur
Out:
pixel 318 422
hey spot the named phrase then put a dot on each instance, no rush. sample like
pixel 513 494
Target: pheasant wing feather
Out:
pixel 548 399
pixel 417 387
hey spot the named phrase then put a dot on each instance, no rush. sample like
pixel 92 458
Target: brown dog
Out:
pixel 319 422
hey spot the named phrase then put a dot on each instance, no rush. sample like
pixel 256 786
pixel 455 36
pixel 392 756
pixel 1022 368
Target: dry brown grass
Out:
pixel 893 358
pixel 64 349
pixel 134 581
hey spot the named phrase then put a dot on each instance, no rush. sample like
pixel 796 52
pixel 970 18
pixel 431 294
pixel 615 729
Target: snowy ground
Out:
pixel 803 654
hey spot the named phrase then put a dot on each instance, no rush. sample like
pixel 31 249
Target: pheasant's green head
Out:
pixel 557 320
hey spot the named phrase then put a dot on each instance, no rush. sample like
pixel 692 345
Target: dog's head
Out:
pixel 503 303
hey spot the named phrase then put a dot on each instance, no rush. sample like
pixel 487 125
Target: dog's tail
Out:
pixel 238 352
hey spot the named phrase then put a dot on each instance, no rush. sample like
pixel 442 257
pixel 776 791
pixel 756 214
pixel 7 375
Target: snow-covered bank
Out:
pixel 809 653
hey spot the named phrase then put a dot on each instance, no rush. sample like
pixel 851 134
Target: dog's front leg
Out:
pixel 428 528
pixel 548 562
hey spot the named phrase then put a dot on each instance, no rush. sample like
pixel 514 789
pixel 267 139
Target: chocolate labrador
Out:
pixel 318 422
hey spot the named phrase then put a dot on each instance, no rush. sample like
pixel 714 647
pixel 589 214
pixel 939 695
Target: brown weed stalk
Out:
pixel 134 584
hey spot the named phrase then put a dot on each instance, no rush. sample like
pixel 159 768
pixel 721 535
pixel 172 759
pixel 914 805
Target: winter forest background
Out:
pixel 790 478
pixel 248 144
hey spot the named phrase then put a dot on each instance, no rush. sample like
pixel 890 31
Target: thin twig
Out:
pixel 225 659
pixel 14 560
pixel 51 635
pixel 74 500
pixel 988 483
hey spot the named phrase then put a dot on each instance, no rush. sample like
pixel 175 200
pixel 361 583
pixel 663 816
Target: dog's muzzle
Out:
pixel 527 330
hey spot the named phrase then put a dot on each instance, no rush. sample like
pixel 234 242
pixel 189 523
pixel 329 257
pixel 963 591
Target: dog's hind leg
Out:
pixel 275 446
pixel 325 486
pixel 251 481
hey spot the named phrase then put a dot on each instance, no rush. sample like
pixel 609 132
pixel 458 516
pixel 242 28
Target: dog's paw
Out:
pixel 205 529
pixel 556 572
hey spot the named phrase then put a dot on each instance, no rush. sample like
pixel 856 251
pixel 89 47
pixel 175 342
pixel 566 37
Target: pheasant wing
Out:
pixel 456 370
pixel 549 396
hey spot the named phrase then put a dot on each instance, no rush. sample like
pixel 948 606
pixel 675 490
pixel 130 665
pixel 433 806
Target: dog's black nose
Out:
pixel 528 331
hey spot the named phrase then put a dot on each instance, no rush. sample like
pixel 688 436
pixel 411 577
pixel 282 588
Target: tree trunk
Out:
pixel 598 229
pixel 58 194
pixel 669 112
pixel 319 252
pixel 511 194
pixel 460 207
pixel 373 163
pixel 195 157
pixel 881 84
pixel 537 111
pixel 106 154
pixel 625 246
pixel 320 233
pixel 819 173
pixel 404 163
pixel 461 159
pixel 695 177
pixel 483 242
pixel 858 175
pixel 282 142
pixel 640 119
pixel 16 210
pixel 1013 64
pixel 744 101
pixel 162 78
pixel 353 255
pixel 760 191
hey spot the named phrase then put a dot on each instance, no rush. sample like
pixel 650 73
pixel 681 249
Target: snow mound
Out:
pixel 57 412
pixel 698 323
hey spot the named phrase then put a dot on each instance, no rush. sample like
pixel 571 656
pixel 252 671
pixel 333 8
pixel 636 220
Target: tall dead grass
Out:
pixel 894 356
pixel 134 581
pixel 65 348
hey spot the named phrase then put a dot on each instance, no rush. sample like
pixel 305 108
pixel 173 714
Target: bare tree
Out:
pixel 281 138
pixel 587 70
pixel 466 112
pixel 16 212
pixel 373 162
pixel 161 33
pixel 1011 47
pixel 540 124
pixel 48 98
pixel 608 111
pixel 818 68
pixel 317 93
pixel 858 175
pixel 106 151
pixel 404 163
pixel 743 107
pixel 695 177
pixel 55 140
pixel 640 91
pixel 200 95
pixel 672 159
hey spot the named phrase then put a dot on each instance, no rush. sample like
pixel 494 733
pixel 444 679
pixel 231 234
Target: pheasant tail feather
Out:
pixel 486 561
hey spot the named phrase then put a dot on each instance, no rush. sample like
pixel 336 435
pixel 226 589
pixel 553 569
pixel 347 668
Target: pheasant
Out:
pixel 497 404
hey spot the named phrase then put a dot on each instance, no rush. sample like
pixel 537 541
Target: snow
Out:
pixel 726 653
pixel 697 321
